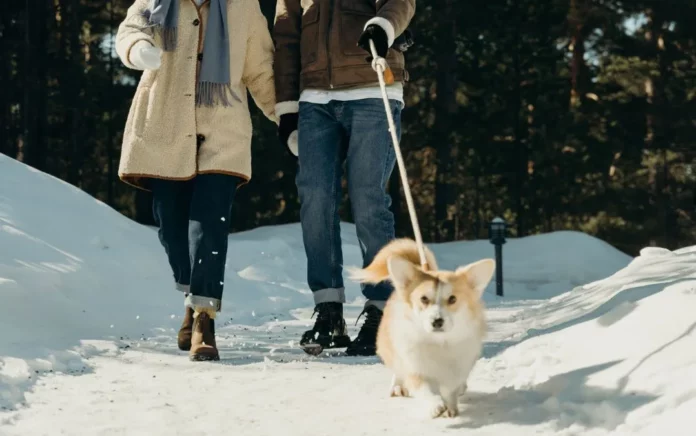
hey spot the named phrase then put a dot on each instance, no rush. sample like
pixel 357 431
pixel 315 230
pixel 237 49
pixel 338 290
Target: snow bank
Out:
pixel 617 357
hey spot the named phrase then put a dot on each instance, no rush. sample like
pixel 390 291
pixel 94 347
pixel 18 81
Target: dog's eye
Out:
pixel 452 299
pixel 424 300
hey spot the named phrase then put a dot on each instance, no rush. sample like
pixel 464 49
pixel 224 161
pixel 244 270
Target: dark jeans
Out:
pixel 354 132
pixel 193 218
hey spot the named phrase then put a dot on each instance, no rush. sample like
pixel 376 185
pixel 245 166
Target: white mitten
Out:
pixel 145 57
pixel 292 143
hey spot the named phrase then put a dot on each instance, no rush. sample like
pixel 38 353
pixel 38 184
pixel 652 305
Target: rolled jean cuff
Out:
pixel 186 289
pixel 330 295
pixel 194 301
pixel 379 304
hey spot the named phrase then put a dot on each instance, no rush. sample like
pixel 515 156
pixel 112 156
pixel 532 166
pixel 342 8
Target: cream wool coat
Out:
pixel 160 137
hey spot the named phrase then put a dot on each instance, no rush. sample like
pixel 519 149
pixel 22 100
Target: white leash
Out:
pixel 379 64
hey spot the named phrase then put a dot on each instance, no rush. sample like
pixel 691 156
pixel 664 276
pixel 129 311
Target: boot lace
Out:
pixel 372 318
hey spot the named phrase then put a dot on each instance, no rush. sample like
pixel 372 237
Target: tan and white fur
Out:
pixel 432 331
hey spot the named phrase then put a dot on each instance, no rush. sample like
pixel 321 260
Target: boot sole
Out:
pixel 353 353
pixel 201 358
pixel 312 349
pixel 315 349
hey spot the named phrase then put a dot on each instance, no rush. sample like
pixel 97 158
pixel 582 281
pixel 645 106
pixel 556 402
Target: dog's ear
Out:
pixel 401 272
pixel 477 274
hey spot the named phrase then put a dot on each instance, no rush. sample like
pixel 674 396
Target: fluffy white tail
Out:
pixel 378 270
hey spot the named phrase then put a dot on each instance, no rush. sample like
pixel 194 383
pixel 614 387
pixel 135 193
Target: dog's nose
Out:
pixel 437 323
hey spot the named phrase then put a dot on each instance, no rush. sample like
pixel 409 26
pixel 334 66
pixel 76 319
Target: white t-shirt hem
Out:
pixel 322 96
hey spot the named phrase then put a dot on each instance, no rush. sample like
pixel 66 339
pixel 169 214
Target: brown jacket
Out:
pixel 166 135
pixel 316 43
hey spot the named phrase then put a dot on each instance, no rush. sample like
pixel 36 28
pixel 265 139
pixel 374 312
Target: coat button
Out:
pixel 200 56
pixel 200 139
pixel 196 22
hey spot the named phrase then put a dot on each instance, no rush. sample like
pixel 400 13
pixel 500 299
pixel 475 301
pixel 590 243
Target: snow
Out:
pixel 586 341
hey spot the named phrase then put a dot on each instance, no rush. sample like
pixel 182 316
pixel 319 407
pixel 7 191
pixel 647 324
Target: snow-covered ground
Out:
pixel 89 318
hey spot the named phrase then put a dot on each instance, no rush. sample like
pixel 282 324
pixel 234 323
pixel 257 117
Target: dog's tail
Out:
pixel 378 270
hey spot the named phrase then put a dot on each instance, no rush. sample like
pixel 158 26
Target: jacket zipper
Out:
pixel 328 39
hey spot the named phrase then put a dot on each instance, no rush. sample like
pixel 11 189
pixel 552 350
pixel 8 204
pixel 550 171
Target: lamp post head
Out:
pixel 497 230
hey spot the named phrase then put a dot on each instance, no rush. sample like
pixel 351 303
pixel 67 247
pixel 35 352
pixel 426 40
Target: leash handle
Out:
pixel 379 64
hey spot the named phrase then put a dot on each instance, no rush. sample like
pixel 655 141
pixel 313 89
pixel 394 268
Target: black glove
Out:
pixel 288 124
pixel 378 36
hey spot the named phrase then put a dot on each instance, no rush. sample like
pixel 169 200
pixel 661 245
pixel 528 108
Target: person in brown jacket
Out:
pixel 331 112
pixel 188 135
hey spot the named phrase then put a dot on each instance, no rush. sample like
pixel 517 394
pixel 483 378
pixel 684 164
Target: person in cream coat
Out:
pixel 188 135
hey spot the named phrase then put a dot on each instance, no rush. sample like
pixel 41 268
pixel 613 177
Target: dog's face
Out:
pixel 442 301
pixel 437 304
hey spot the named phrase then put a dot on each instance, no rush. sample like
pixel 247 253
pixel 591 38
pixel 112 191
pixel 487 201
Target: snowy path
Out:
pixel 552 384
pixel 89 321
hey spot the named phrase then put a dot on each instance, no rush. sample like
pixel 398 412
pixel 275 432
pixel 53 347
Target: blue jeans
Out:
pixel 193 218
pixel 354 132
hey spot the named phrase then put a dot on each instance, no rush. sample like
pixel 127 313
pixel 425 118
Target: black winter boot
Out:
pixel 329 330
pixel 365 344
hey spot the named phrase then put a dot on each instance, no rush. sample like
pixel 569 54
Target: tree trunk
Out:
pixel 521 158
pixel 111 172
pixel 445 111
pixel 576 22
pixel 5 77
pixel 476 161
pixel 72 88
pixel 658 128
pixel 33 110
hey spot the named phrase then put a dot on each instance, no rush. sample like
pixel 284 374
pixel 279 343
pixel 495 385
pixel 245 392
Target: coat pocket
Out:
pixel 309 39
pixel 141 106
pixel 354 15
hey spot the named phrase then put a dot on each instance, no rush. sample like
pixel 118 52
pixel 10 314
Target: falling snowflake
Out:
pixel 223 219
pixel 215 253
pixel 222 283
pixel 173 316
pixel 137 317
pixel 112 326
pixel 200 261
pixel 253 313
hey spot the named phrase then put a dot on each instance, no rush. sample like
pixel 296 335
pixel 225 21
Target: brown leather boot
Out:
pixel 186 330
pixel 203 346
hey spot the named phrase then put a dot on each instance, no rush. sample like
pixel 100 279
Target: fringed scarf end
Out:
pixel 169 36
pixel 211 94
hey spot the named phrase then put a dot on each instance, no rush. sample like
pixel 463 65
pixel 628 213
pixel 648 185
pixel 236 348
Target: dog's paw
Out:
pixel 437 409
pixel 399 391
pixel 452 411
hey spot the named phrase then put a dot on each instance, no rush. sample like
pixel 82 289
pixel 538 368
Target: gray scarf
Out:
pixel 214 80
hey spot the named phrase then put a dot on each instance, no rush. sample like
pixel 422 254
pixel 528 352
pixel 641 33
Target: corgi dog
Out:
pixel 433 326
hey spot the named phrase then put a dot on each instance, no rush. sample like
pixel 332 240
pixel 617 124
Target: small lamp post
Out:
pixel 496 233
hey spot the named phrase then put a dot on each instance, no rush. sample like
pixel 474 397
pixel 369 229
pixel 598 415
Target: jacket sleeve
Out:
pixel 393 16
pixel 132 30
pixel 286 32
pixel 258 66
